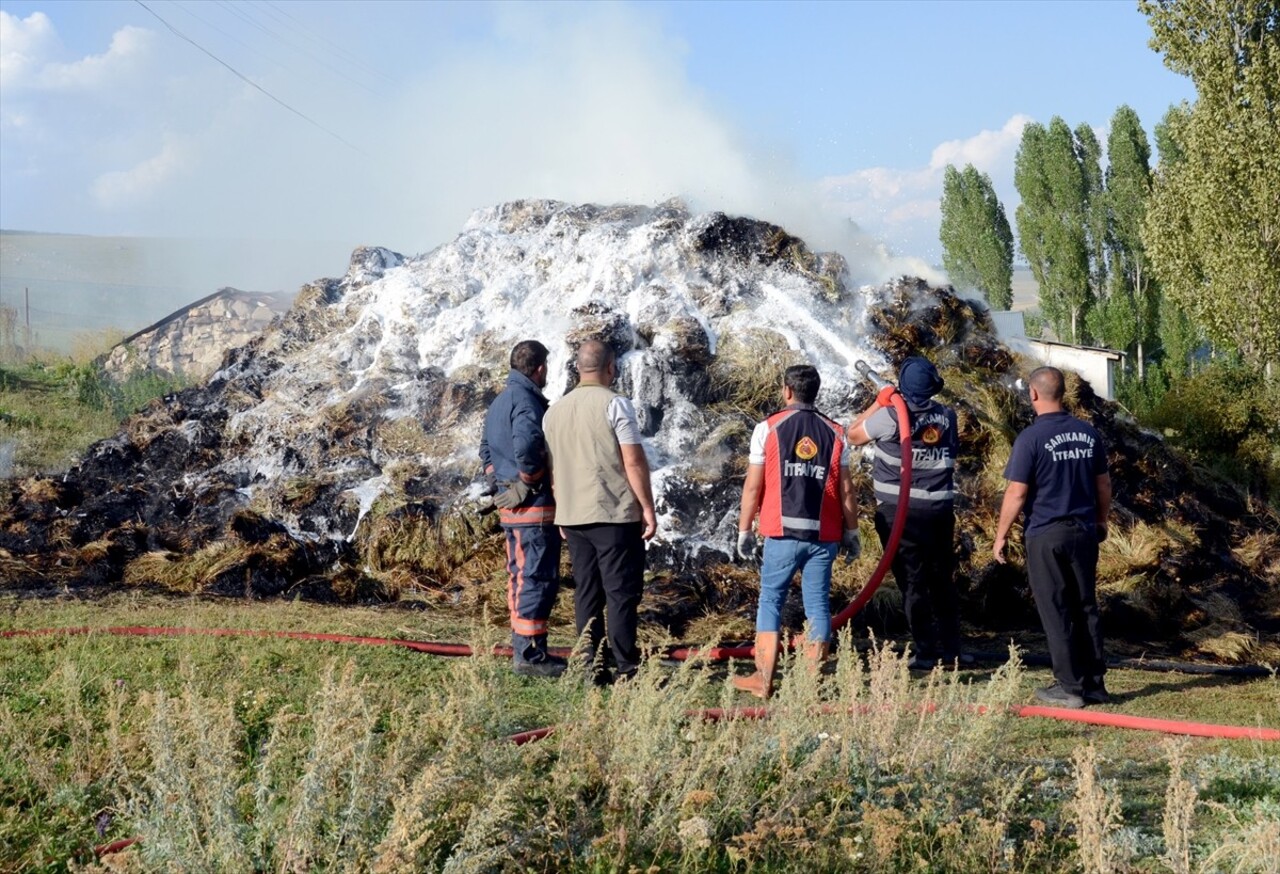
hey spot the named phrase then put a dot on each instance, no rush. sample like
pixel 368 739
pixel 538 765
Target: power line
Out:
pixel 246 15
pixel 301 27
pixel 247 80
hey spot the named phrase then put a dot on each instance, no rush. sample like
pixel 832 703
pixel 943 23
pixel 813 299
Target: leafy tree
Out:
pixel 1128 184
pixel 1212 229
pixel 1051 223
pixel 977 243
pixel 1179 338
pixel 1111 320
pixel 1167 133
pixel 1097 213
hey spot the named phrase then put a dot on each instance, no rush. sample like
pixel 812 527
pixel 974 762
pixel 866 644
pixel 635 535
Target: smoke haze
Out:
pixel 147 136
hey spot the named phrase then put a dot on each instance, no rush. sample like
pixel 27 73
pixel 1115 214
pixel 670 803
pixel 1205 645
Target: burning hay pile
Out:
pixel 329 456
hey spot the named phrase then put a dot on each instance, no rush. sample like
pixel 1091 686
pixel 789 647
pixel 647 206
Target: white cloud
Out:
pixel 903 205
pixel 122 189
pixel 24 43
pixel 30 48
pixel 128 46
pixel 988 150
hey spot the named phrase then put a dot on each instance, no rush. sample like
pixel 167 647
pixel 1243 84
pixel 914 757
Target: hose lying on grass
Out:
pixel 888 397
pixel 1115 720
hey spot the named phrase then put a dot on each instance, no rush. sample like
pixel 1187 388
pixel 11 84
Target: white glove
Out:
pixel 850 545
pixel 746 545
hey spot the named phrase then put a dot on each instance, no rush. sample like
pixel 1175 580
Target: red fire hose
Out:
pixel 888 397
pixel 1116 720
pixel 899 517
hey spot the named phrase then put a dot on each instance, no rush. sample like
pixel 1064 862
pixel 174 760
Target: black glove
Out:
pixel 850 545
pixel 513 497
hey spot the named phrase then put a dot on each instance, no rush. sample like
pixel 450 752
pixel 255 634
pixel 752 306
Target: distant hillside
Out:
pixel 71 285
pixel 1026 293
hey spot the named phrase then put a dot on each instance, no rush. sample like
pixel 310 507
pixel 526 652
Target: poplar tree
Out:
pixel 1212 228
pixel 977 243
pixel 1128 185
pixel 1051 223
pixel 1097 213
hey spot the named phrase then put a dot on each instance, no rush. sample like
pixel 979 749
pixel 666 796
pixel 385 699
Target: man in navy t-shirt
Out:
pixel 1057 473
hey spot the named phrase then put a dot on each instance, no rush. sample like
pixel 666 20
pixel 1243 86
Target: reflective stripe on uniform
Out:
pixel 528 627
pixel 946 463
pixel 891 491
pixel 528 516
pixel 798 524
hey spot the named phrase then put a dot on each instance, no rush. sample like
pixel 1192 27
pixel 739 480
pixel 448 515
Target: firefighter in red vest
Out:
pixel 799 484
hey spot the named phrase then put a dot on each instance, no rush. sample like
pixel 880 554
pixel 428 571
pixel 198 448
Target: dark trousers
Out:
pixel 924 568
pixel 533 579
pixel 1062 563
pixel 608 576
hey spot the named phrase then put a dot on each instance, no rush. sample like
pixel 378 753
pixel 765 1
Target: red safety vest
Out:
pixel 801 496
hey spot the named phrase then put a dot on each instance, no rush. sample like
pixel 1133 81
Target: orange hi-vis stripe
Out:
pixel 515 587
pixel 528 627
pixel 517 581
pixel 528 516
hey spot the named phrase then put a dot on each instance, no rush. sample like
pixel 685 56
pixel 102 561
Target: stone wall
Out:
pixel 192 341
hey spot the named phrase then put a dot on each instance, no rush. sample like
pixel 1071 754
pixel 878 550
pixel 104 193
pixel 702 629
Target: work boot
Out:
pixel 546 666
pixel 760 683
pixel 923 658
pixel 1096 695
pixel 1056 696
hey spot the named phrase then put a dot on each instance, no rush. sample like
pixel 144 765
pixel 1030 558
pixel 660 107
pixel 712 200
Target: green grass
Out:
pixel 52 412
pixel 257 754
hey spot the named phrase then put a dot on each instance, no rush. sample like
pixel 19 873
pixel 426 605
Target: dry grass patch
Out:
pixel 450 553
pixel 405 436
pixel 1259 551
pixel 746 375
pixel 1226 642
pixel 720 626
pixel 1132 552
pixel 187 573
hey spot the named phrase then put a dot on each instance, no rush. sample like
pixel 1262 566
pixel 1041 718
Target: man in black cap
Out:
pixel 924 564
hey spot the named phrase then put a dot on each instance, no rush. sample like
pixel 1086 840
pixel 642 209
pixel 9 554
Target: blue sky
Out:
pixel 806 114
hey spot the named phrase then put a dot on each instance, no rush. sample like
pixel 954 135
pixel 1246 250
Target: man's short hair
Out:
pixel 594 356
pixel 804 382
pixel 1049 381
pixel 527 356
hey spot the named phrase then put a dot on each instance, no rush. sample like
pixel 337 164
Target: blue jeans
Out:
pixel 783 556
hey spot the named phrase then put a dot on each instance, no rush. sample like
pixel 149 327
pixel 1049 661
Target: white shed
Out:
pixel 1093 363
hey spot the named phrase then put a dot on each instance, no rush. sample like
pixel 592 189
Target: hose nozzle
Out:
pixel 865 369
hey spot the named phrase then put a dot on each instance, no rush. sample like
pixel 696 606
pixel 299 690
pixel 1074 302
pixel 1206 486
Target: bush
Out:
pixel 94 389
pixel 1142 396
pixel 1228 417
pixel 51 412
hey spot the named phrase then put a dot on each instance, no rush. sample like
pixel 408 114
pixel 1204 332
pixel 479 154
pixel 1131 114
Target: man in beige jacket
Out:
pixel 604 505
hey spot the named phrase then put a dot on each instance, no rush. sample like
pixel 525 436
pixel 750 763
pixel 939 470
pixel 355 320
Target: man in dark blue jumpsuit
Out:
pixel 924 565
pixel 514 452
pixel 1057 472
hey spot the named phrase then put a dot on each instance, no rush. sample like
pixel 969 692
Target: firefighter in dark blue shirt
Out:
pixel 514 452
pixel 1057 473
pixel 924 565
